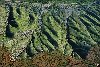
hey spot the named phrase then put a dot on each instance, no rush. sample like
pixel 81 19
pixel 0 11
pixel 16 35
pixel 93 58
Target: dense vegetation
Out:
pixel 50 1
pixel 52 59
pixel 59 31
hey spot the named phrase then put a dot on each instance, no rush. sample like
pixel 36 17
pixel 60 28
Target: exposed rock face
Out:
pixel 75 28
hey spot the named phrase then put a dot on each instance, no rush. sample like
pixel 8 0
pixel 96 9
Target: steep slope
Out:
pixel 55 27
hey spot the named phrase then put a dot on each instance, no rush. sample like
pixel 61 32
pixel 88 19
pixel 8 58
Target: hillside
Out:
pixel 30 28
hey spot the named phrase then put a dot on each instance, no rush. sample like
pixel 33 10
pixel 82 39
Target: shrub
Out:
pixel 94 55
